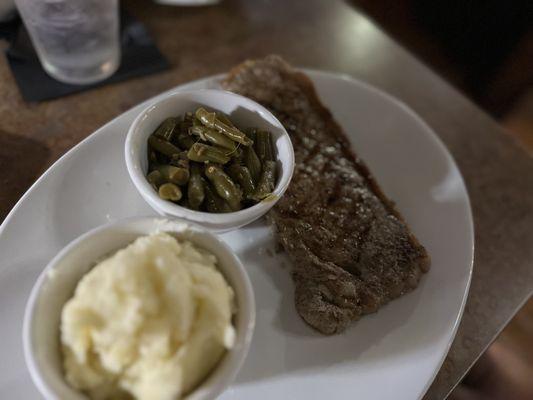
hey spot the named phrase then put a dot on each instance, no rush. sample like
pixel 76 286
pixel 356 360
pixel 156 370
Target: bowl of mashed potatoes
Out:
pixel 143 308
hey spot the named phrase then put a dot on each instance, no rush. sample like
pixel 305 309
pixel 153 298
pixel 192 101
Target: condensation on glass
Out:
pixel 77 41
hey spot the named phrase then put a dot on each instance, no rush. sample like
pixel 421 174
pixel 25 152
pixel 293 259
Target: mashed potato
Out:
pixel 149 322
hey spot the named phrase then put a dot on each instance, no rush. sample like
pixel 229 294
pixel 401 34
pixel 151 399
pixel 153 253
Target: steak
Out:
pixel 351 251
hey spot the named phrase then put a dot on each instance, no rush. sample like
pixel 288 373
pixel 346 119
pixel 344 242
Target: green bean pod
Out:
pixel 202 153
pixel 162 146
pixel 224 186
pixel 180 160
pixel 172 174
pixel 211 121
pixel 213 202
pixel 155 178
pixel 167 128
pixel 184 125
pixel 196 122
pixel 252 162
pixel 205 117
pixel 188 116
pixel 195 189
pixel 237 155
pixel 224 119
pixel 267 182
pixel 242 176
pixel 263 146
pixel 169 191
pixel 251 133
pixel 213 136
pixel 185 140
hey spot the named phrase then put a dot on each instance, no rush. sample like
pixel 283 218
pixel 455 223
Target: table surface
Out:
pixel 329 35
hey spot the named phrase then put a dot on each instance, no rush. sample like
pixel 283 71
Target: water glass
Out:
pixel 77 41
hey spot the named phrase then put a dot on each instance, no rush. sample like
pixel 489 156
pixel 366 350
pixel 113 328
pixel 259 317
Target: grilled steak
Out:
pixel 351 251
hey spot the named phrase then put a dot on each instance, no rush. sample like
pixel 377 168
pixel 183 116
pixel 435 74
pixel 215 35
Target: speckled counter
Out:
pixel 324 35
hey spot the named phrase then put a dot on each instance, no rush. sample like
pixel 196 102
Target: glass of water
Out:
pixel 77 41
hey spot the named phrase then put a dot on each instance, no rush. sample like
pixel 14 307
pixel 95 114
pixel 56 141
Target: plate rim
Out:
pixel 444 150
pixel 311 72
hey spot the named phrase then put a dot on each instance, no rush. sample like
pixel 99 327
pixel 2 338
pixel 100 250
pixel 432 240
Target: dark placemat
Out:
pixel 140 56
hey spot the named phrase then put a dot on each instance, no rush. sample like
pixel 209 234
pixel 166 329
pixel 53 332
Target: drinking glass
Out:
pixel 77 41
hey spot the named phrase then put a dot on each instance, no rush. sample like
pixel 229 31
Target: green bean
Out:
pixel 177 175
pixel 162 146
pixel 224 186
pixel 169 191
pixel 195 189
pixel 252 162
pixel 196 122
pixel 213 136
pixel 267 182
pixel 202 153
pixel 224 119
pixel 205 117
pixel 185 140
pixel 251 133
pixel 167 128
pixel 155 178
pixel 180 160
pixel 263 146
pixel 211 121
pixel 184 127
pixel 213 202
pixel 188 116
pixel 237 155
pixel 242 176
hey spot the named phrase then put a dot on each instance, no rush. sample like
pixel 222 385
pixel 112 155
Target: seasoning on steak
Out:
pixel 351 251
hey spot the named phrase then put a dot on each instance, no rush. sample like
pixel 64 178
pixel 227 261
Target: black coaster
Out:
pixel 140 56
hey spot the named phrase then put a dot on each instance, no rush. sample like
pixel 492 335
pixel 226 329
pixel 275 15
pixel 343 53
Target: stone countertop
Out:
pixel 332 36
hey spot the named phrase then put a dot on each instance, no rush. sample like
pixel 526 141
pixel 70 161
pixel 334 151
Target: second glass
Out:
pixel 77 41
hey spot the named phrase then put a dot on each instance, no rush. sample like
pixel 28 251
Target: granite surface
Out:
pixel 334 36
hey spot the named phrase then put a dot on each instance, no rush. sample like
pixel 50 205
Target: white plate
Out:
pixel 393 354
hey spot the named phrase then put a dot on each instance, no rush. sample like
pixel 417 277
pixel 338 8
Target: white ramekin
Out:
pixel 58 280
pixel 244 113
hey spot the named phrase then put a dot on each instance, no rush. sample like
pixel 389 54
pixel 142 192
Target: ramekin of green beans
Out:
pixel 212 157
